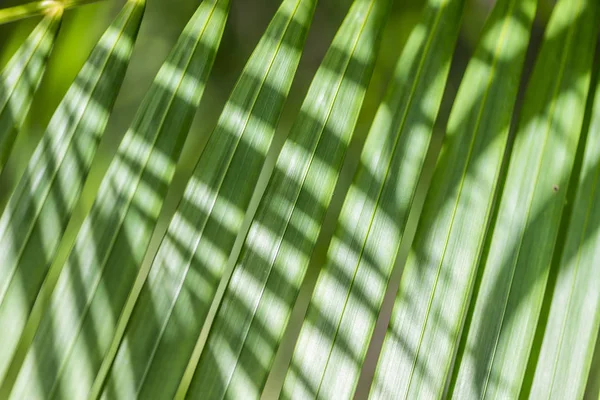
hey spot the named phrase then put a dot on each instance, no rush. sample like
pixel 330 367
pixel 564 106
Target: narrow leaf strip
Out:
pixel 38 211
pixel 349 292
pixel 21 77
pixel 437 281
pixel 570 335
pixel 76 330
pixel 189 264
pixel 251 319
pixel 16 13
pixel 507 305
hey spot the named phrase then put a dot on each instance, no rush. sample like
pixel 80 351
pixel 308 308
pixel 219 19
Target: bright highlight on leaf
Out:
pixel 38 211
pixel 349 292
pixel 248 327
pixel 76 330
pixel 186 271
pixel 509 298
pixel 420 345
pixel 19 81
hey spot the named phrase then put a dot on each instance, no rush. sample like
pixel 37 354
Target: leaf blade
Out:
pixel 39 209
pixel 293 207
pixel 507 305
pixel 349 291
pixel 222 184
pixel 418 349
pixel 20 79
pixel 567 349
pixel 94 282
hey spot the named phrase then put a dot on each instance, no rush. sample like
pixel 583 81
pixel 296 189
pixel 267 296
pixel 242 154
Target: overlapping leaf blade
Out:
pixel 37 213
pixel 509 297
pixel 437 281
pixel 562 369
pixel 186 271
pixel 350 289
pixel 21 77
pixel 249 324
pixel 78 326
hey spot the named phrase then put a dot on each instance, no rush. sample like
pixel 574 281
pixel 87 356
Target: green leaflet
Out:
pixel 507 305
pixel 20 79
pixel 349 292
pixel 38 7
pixel 78 325
pixel 186 271
pixel 437 281
pixel 570 335
pixel 248 327
pixel 37 213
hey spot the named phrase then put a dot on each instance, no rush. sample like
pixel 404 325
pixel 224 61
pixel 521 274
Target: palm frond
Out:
pixel 109 248
pixel 38 211
pixel 186 270
pixel 350 289
pixel 509 298
pixel 21 77
pixel 455 216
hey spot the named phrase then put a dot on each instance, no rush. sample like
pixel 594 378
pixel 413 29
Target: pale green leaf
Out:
pixel 509 297
pixel 248 327
pixel 437 281
pixel 20 79
pixel 76 330
pixel 349 292
pixel 183 279
pixel 38 211
pixel 562 369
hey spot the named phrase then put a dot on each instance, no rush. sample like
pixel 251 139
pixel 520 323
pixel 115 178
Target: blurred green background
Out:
pixel 162 24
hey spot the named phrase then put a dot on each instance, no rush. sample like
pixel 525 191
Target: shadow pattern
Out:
pixel 39 209
pixel 349 292
pixel 186 271
pixel 250 322
pixel 77 329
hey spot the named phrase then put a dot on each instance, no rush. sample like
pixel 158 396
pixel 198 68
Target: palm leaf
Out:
pixel 16 13
pixel 186 270
pixel 256 305
pixel 419 348
pixel 570 335
pixel 37 213
pixel 21 77
pixel 76 330
pixel 510 294
pixel 350 289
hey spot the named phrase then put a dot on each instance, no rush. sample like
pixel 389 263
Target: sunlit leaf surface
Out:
pixel 350 289
pixel 20 79
pixel 37 214
pixel 437 281
pixel 186 271
pixel 77 329
pixel 509 297
pixel 568 346
pixel 256 306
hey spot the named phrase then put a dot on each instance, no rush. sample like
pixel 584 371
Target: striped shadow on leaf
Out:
pixel 437 281
pixel 38 211
pixel 563 366
pixel 174 302
pixel 21 78
pixel 77 328
pixel 506 306
pixel 349 292
pixel 240 348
